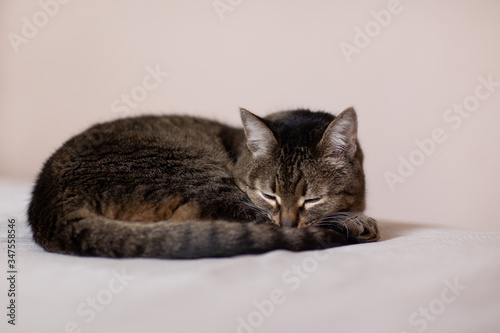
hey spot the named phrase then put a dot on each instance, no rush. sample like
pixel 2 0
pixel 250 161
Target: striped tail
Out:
pixel 100 236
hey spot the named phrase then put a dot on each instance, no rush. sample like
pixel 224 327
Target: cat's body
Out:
pixel 184 187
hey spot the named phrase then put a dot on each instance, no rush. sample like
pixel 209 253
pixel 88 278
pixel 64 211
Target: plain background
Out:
pixel 267 56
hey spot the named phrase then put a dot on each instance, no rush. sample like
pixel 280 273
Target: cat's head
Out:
pixel 300 167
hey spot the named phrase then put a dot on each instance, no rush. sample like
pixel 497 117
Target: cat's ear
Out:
pixel 339 140
pixel 260 139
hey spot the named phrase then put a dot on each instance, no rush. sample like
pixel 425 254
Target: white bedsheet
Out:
pixel 417 279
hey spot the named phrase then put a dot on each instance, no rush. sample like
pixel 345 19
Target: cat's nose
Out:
pixel 288 222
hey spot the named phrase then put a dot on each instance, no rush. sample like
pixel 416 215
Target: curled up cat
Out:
pixel 187 187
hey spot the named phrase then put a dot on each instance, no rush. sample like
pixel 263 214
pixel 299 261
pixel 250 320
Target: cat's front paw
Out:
pixel 356 226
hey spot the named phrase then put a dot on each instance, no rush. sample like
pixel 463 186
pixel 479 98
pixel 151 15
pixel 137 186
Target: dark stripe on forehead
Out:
pixel 297 181
pixel 290 178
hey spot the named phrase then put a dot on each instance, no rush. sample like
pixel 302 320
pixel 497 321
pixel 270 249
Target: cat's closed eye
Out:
pixel 268 196
pixel 308 203
pixel 272 199
pixel 313 200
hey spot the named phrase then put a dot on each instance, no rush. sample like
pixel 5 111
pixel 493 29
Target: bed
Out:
pixel 418 278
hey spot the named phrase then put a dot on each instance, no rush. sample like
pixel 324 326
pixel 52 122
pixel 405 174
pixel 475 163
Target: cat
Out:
pixel 184 187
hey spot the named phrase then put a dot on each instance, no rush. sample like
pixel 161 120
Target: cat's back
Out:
pixel 148 139
pixel 137 160
pixel 170 132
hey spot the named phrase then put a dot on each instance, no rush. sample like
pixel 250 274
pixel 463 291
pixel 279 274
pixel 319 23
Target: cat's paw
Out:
pixel 356 226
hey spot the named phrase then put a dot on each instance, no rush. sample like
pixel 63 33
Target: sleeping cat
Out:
pixel 185 187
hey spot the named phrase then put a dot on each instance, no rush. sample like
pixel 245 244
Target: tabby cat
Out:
pixel 186 187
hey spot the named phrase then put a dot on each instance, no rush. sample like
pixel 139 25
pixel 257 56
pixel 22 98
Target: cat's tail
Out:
pixel 100 236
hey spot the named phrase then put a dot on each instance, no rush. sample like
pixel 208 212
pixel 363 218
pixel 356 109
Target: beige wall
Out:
pixel 57 79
